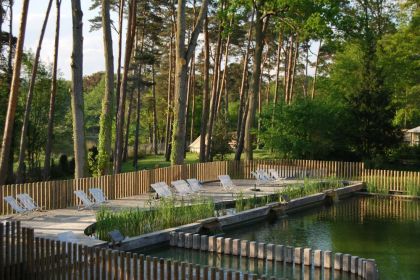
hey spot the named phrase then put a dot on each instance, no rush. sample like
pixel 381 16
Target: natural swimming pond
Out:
pixel 385 229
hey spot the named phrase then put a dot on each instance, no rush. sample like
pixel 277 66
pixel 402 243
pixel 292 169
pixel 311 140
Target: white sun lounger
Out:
pixel 181 187
pixel 265 175
pixel 195 185
pixel 226 182
pixel 276 175
pixel 16 206
pixel 98 195
pixel 27 201
pixel 86 202
pixel 68 236
pixel 162 189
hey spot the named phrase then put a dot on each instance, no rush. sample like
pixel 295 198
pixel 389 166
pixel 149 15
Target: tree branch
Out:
pixel 197 30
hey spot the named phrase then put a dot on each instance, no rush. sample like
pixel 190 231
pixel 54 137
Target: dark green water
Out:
pixel 384 229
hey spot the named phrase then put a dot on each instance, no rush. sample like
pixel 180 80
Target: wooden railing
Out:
pixel 60 194
pixel 23 256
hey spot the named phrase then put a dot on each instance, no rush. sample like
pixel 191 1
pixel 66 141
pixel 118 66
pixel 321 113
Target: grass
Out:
pixel 158 161
pixel 155 161
pixel 308 187
pixel 374 184
pixel 163 214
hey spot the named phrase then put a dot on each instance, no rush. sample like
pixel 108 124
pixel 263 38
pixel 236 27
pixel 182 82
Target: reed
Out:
pixel 375 184
pixel 164 214
pixel 412 188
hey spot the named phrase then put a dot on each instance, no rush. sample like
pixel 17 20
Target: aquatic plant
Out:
pixel 164 214
pixel 308 187
pixel 375 184
pixel 412 187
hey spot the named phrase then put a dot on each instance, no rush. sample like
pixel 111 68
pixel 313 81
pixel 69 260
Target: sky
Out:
pixel 93 55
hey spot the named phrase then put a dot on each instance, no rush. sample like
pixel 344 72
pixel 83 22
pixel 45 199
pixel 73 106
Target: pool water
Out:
pixel 385 229
pixel 280 270
pixel 382 228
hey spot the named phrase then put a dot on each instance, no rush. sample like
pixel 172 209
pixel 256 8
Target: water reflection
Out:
pixel 279 270
pixel 385 229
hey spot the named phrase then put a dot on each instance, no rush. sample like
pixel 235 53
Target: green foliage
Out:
pixel 165 214
pixel 308 187
pixel 242 203
pixel 221 138
pixel 307 128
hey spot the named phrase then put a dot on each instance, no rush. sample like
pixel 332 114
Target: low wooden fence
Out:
pixel 23 256
pixel 60 194
pixel 384 181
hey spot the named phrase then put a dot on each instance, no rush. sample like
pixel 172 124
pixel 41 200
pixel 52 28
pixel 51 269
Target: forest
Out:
pixel 297 79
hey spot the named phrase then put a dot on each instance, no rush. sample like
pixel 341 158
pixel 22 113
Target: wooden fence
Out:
pixel 60 194
pixel 23 256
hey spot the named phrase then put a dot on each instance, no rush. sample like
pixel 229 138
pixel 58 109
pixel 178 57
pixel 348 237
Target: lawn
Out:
pixel 157 161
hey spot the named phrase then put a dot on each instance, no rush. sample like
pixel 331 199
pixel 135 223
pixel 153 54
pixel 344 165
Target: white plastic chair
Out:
pixel 16 206
pixel 182 187
pixel 226 182
pixel 27 201
pixel 86 202
pixel 195 185
pixel 162 189
pixel 98 195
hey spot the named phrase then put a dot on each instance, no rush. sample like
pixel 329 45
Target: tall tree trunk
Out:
pixel 10 175
pixel 168 130
pixel 77 101
pixel 278 59
pixel 260 94
pixel 137 133
pixel 187 106
pixel 316 70
pixel 253 95
pixel 214 90
pixel 205 109
pixel 288 70
pixel 155 121
pixel 223 79
pixel 1 25
pixel 242 97
pixel 183 56
pixel 105 122
pixel 294 64
pixel 305 81
pixel 24 132
pixel 120 31
pixel 13 96
pixel 48 148
pixel 192 100
pixel 9 58
pixel 127 127
pixel 131 28
pixel 241 139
